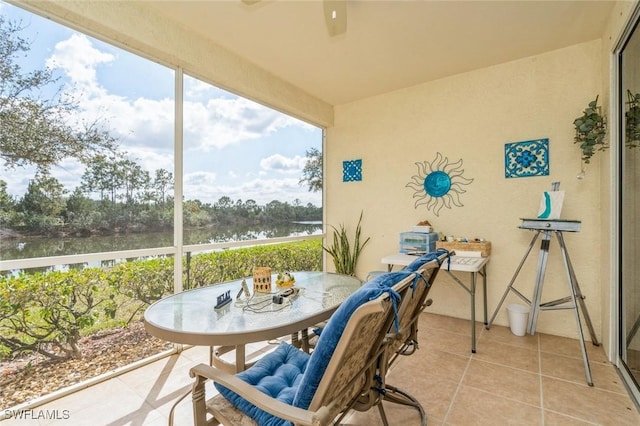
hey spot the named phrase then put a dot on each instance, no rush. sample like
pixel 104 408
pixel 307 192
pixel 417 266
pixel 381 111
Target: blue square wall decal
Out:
pixel 352 170
pixel 528 158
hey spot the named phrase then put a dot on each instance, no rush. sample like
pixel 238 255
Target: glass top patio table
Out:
pixel 190 317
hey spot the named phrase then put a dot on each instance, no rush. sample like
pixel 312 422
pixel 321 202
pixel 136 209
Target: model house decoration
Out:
pixel 438 184
pixel 527 158
pixel 262 279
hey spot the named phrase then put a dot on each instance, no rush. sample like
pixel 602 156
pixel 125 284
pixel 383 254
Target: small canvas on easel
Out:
pixel 551 205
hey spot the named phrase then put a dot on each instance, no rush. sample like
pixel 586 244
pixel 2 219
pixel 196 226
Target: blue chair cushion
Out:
pixel 292 376
pixel 332 332
pixel 416 264
pixel 277 374
pixel 420 261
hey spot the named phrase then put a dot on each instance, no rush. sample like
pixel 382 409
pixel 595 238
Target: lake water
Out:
pixel 30 247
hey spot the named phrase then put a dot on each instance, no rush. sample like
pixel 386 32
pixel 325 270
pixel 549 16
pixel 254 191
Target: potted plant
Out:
pixel 632 121
pixel 591 128
pixel 345 255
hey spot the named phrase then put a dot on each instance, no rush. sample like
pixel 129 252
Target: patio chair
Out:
pixel 290 386
pixel 427 268
pixel 405 337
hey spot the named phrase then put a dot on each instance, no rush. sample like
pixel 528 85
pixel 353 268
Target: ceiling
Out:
pixel 389 44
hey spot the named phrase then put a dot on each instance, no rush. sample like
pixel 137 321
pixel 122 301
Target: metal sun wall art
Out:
pixel 528 158
pixel 352 170
pixel 438 184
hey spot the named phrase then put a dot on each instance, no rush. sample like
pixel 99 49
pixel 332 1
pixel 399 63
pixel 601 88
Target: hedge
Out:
pixel 48 312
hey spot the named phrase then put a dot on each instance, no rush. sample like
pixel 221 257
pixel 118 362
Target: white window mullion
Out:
pixel 178 185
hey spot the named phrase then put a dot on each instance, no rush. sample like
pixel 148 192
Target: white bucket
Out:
pixel 518 318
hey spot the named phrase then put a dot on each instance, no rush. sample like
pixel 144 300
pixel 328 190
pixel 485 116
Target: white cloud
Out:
pixel 17 182
pixel 222 119
pixel 280 163
pixel 134 121
pixel 225 121
pixel 261 190
pixel 142 121
pixel 194 88
pixel 266 190
pixel 151 159
pixel 199 179
pixel 201 186
pixel 69 173
pixel 77 57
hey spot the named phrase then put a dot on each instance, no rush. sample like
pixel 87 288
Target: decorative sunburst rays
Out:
pixel 438 184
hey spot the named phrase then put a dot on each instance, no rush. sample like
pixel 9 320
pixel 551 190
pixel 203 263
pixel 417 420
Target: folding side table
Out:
pixel 472 265
pixel 549 228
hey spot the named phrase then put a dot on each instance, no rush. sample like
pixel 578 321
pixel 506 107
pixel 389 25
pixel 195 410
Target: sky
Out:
pixel 232 146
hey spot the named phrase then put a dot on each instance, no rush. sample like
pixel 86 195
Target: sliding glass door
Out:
pixel 629 196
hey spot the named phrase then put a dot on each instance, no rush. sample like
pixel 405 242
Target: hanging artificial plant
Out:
pixel 591 128
pixel 632 121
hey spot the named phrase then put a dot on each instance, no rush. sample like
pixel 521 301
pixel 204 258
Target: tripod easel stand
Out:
pixel 549 228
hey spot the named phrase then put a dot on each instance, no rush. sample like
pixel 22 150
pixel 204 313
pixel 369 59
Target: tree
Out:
pixel 223 203
pixel 194 214
pixel 135 179
pixel 101 176
pixel 253 209
pixel 44 196
pixel 34 130
pixel 7 204
pixel 81 212
pixel 43 203
pixel 278 211
pixel 162 184
pixel 312 171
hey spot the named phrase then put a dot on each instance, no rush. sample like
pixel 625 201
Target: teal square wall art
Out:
pixel 527 158
pixel 352 170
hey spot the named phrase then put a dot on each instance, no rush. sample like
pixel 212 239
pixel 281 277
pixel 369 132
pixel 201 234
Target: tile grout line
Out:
pixel 455 394
pixel 540 379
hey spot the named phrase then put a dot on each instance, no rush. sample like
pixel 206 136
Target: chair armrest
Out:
pixel 262 400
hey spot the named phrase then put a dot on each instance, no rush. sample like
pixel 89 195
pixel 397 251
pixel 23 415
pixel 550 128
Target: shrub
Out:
pixel 208 268
pixel 49 312
pixel 141 282
pixel 46 312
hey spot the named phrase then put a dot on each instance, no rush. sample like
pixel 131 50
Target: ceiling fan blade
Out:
pixel 335 15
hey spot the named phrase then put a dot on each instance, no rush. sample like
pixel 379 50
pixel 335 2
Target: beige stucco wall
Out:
pixel 471 117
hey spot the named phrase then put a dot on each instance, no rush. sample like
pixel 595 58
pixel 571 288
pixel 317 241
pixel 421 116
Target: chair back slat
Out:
pixel 414 303
pixel 354 360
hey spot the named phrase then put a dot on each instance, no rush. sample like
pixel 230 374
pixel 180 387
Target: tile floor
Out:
pixel 531 380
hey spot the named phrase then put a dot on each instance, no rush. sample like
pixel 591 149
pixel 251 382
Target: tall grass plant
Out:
pixel 344 253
